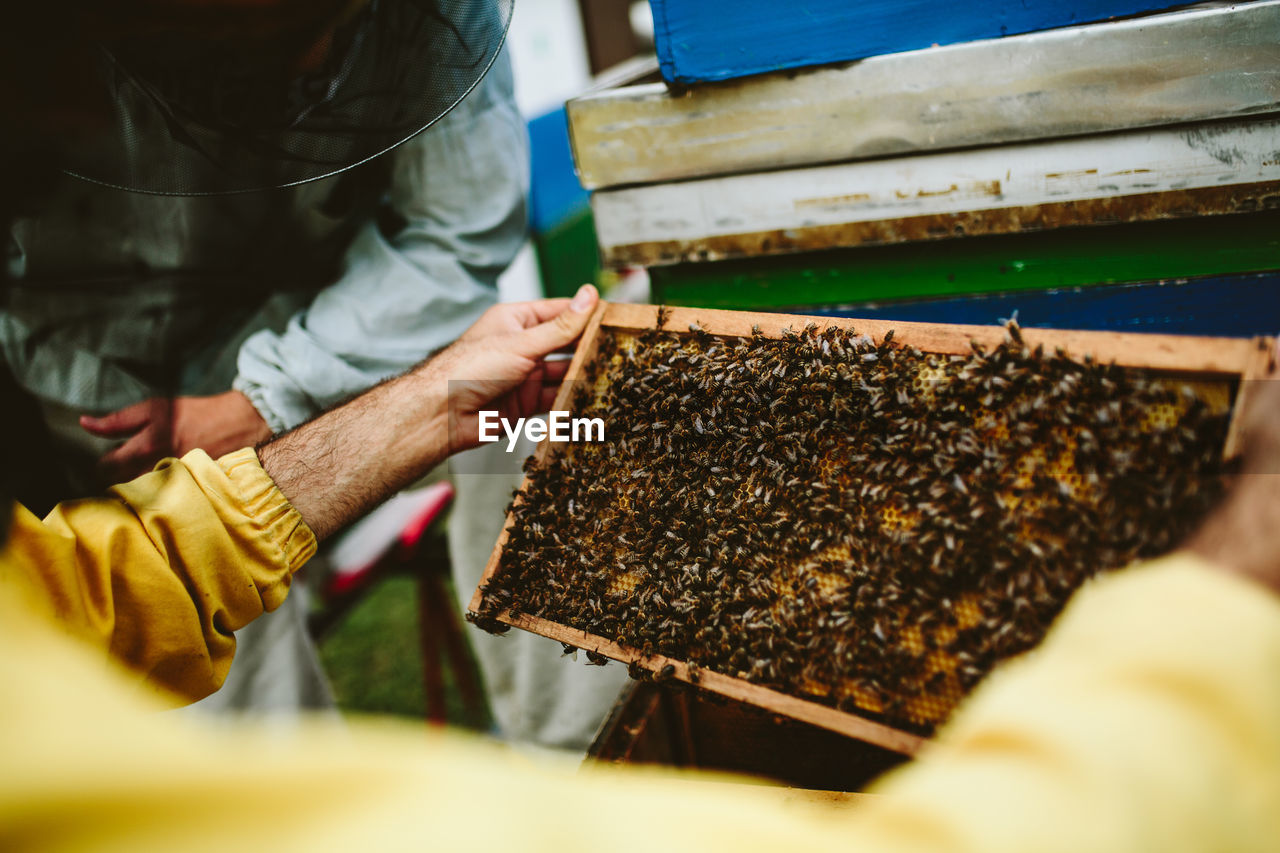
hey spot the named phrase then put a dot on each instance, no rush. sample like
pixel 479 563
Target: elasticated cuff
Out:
pixel 254 394
pixel 268 506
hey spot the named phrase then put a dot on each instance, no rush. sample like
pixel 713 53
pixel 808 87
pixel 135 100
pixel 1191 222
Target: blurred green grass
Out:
pixel 373 657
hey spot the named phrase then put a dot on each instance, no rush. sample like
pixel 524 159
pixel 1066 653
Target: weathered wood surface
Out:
pixel 702 40
pixel 1182 66
pixel 1196 170
pixel 1261 367
pixel 1179 354
pixel 1175 353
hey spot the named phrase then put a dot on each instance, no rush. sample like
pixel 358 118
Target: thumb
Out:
pixel 560 331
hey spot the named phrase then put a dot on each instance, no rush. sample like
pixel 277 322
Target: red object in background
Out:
pixel 403 536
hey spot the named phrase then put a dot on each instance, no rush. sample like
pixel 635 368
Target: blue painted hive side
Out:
pixel 708 40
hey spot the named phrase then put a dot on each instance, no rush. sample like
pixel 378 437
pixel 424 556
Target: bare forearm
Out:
pixel 345 462
pixel 337 467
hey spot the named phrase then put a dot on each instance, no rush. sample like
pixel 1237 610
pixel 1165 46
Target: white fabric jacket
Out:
pixel 301 296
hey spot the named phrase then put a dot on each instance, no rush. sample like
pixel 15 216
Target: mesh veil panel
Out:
pixel 206 125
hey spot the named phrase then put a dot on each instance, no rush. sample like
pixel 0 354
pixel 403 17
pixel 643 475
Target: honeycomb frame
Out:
pixel 1211 359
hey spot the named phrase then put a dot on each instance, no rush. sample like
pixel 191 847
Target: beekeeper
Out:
pixel 263 210
pixel 1149 719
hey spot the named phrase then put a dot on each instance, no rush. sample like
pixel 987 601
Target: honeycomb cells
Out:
pixel 853 522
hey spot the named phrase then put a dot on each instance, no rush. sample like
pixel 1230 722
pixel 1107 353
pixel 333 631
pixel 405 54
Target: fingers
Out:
pixel 534 396
pixel 539 391
pixel 540 310
pixel 1260 399
pixel 560 330
pixel 509 317
pixel 548 397
pixel 123 422
pixel 554 371
pixel 530 391
pixel 545 309
pixel 136 456
pixel 1259 432
pixel 529 401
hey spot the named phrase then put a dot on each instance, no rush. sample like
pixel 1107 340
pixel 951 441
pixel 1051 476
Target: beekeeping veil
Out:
pixel 193 109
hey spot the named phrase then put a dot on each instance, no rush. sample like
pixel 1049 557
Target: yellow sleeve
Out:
pixel 161 571
pixel 1149 720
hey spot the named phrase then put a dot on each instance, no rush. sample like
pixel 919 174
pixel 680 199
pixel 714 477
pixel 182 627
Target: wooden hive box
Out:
pixel 821 595
pixel 1139 175
pixel 1183 66
pixel 672 725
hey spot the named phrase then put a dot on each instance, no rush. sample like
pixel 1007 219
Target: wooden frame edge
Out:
pixel 585 351
pixel 1261 365
pixel 1177 353
pixel 841 722
pixel 1242 357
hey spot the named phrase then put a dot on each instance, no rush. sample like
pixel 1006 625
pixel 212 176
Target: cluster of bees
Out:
pixel 850 521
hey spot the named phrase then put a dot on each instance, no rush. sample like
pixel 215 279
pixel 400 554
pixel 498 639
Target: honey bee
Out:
pixel 788 510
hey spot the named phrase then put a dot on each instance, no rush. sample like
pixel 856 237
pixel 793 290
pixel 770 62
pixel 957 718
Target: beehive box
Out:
pixel 850 522
pixel 671 725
